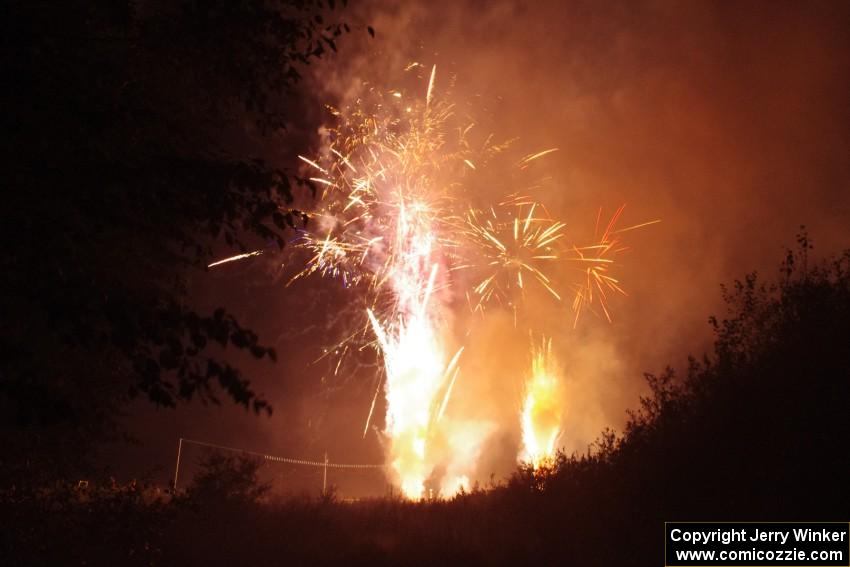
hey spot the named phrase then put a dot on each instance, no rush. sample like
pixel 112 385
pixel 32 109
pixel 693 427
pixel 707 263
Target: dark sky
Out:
pixel 729 121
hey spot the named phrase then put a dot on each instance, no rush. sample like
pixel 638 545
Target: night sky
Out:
pixel 729 121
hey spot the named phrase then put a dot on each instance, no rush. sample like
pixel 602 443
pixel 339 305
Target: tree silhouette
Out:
pixel 121 182
pixel 755 430
pixel 225 480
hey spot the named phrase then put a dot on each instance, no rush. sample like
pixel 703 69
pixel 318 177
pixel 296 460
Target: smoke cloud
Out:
pixel 728 122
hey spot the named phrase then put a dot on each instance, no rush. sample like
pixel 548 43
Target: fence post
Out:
pixel 177 464
pixel 325 477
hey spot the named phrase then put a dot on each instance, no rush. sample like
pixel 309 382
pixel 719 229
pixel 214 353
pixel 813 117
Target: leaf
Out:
pixel 167 359
pixel 239 339
pixel 199 340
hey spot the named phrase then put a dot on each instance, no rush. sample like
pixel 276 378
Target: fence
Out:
pixel 303 462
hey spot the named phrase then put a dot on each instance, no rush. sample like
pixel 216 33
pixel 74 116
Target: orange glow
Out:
pixel 542 409
pixel 394 220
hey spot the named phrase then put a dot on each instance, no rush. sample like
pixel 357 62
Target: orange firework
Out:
pixel 595 264
pixel 393 219
pixel 507 249
pixel 542 409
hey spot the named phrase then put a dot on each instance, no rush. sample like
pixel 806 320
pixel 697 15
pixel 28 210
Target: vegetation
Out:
pixel 123 179
pixel 755 431
pixel 126 129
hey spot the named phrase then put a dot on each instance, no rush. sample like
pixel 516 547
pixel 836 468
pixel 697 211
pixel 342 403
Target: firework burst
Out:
pixel 394 220
pixel 505 251
pixel 595 263
pixel 542 408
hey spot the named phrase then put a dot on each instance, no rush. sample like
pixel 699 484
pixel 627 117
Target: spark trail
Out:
pixel 395 221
